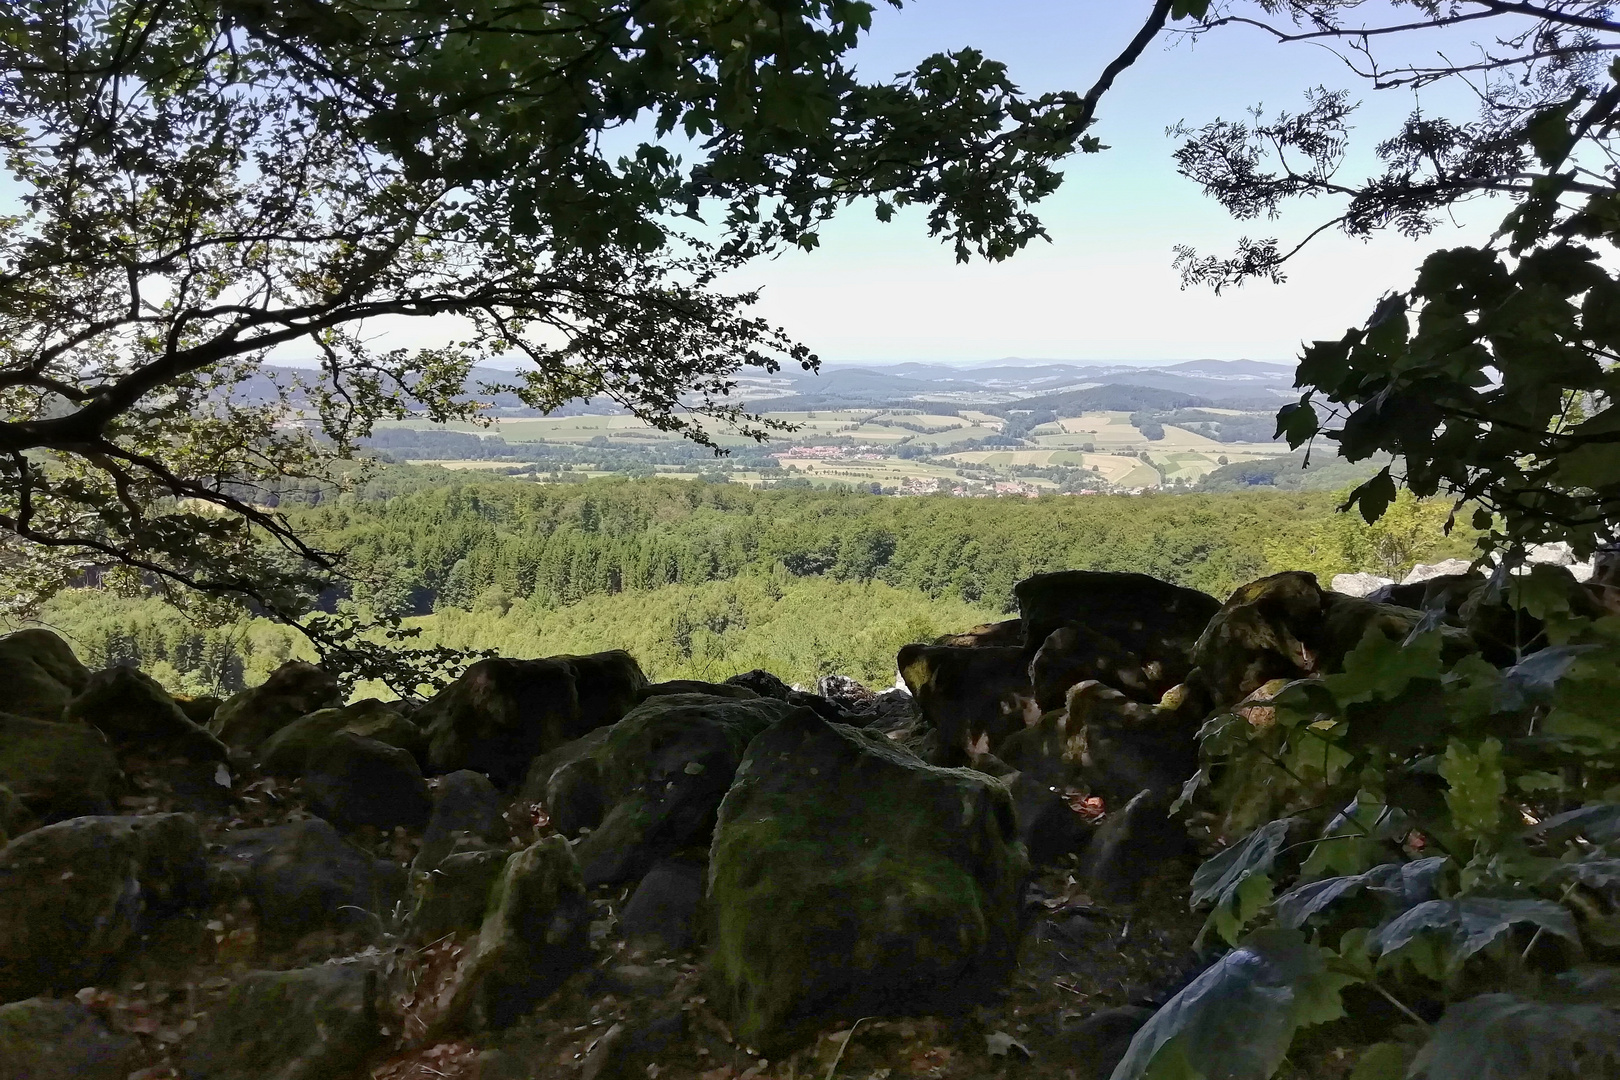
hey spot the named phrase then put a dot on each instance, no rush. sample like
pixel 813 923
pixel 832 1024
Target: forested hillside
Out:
pixel 708 579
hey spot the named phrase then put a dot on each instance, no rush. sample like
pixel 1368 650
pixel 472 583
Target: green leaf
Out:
pixel 1380 667
pixel 1373 497
pixel 1599 824
pixel 1475 787
pixel 1382 1061
pixel 1468 924
pixel 1238 1018
pixel 1225 880
pixel 1506 1037
pixel 1189 9
pixel 1399 885
pixel 1533 680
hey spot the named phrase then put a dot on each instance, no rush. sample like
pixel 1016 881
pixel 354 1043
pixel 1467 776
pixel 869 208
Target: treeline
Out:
pixel 607 455
pixel 559 544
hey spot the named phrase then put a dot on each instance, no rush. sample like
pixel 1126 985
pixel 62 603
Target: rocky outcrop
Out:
pixel 533 937
pixel 40 672
pixel 664 769
pixel 304 875
pixel 454 895
pixel 1075 654
pixel 137 714
pixel 57 771
pixel 294 689
pixel 1008 633
pixel 967 694
pixel 315 1023
pixel 285 752
pixel 849 878
pixel 49 1039
pixel 466 813
pixel 500 714
pixel 74 895
pixel 1151 618
pixel 1359 584
pixel 353 781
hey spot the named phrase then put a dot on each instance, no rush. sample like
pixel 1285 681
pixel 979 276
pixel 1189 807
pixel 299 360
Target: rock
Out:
pixel 967 694
pixel 136 713
pixel 1006 634
pixel 1131 843
pixel 1074 654
pixel 697 686
pixel 662 914
pixel 764 684
pixel 454 895
pixel 534 936
pixel 56 770
pixel 609 685
pixel 1047 826
pixel 1286 627
pixel 1153 619
pixel 304 875
pixel 846 693
pixel 49 1039
pixel 568 783
pixel 75 894
pixel 848 878
pixel 466 806
pixel 499 715
pixel 1098 1043
pixel 294 689
pixel 353 781
pixel 285 752
pixel 664 768
pixel 1446 567
pixel 1125 746
pixel 1360 584
pixel 14 816
pixel 1446 592
pixel 199 710
pixel 40 673
pixel 317 1023
pixel 627 1048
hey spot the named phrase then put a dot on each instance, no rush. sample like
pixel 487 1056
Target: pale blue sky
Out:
pixel 1104 288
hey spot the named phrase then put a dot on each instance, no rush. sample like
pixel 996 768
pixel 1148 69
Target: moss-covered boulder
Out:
pixel 454 895
pixel 1151 618
pixel 316 1023
pixel 466 814
pixel 285 752
pixel 74 895
pixel 294 689
pixel 40 673
pixel 134 711
pixel 1004 634
pixel 57 770
pixel 967 694
pixel 567 781
pixel 51 1039
pixel 848 878
pixel 664 769
pixel 534 935
pixel 353 782
pixel 304 875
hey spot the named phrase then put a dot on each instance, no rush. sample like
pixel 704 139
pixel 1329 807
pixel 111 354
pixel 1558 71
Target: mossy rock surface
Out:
pixel 51 1039
pixel 1153 619
pixel 285 752
pixel 73 895
pixel 40 672
pixel 534 935
pixel 294 689
pixel 454 895
pixel 663 770
pixel 304 875
pixel 133 710
pixel 848 878
pixel 316 1023
pixel 57 770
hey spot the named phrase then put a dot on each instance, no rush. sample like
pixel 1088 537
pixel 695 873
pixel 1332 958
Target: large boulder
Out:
pixel 968 694
pixel 56 770
pixel 1286 627
pixel 567 782
pixel 285 752
pixel 500 714
pixel 535 935
pixel 137 714
pixel 848 878
pixel 352 781
pixel 662 914
pixel 304 875
pixel 1074 654
pixel 664 768
pixel 1004 634
pixel 40 673
pixel 51 1039
pixel 75 894
pixel 1151 618
pixel 765 684
pixel 466 813
pixel 454 895
pixel 294 689
pixel 316 1023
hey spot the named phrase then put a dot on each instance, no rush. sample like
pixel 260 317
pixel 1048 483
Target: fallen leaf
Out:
pixel 1000 1044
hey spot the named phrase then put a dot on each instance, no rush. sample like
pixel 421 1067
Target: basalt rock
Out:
pixel 74 895
pixel 57 771
pixel 304 875
pixel 50 1039
pixel 968 694
pixel 466 810
pixel 136 713
pixel 40 673
pixel 697 686
pixel 663 913
pixel 317 1023
pixel 353 781
pixel 767 685
pixel 285 752
pixel 848 878
pixel 568 783
pixel 454 895
pixel 1149 618
pixel 294 689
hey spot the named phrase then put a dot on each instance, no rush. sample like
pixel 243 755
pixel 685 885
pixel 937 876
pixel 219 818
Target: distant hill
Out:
pixel 1114 397
pixel 1327 473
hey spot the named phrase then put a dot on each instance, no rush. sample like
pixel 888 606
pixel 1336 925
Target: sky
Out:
pixel 1104 287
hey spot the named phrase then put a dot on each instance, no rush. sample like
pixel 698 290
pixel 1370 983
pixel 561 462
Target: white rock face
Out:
pixel 1359 584
pixel 1558 554
pixel 1425 571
